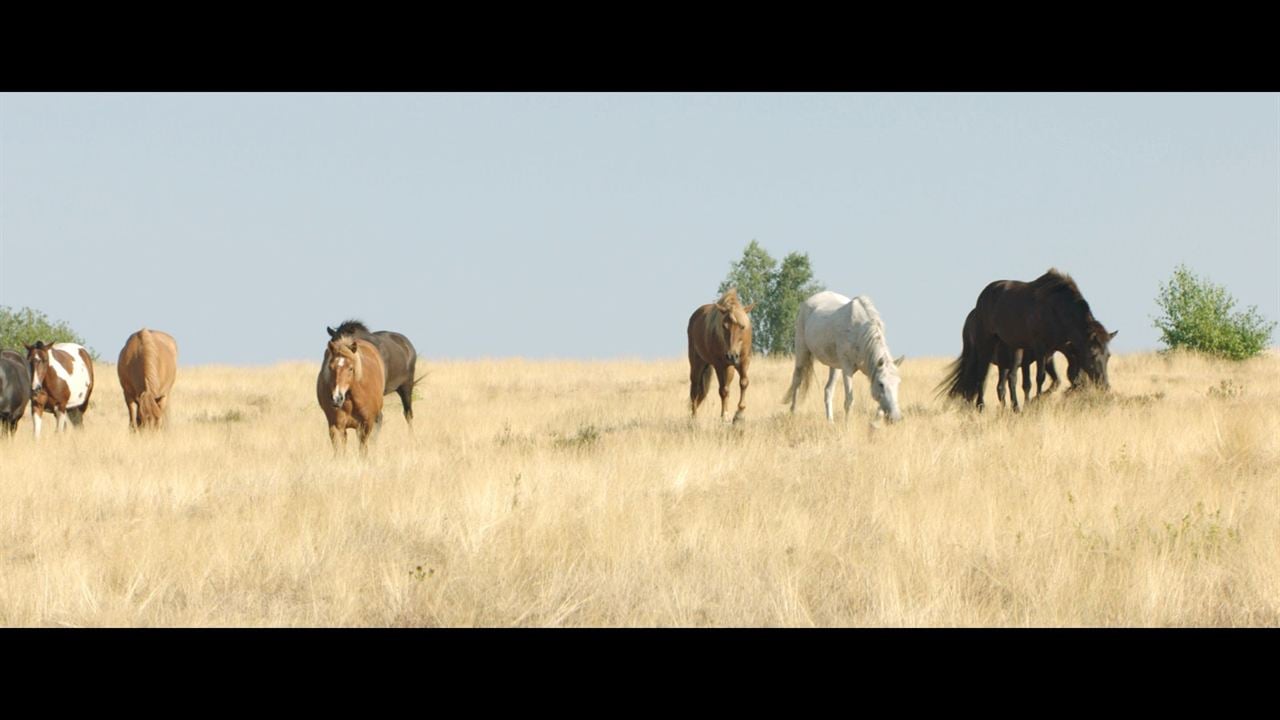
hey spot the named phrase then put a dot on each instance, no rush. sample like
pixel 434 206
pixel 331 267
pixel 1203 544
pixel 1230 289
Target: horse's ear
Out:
pixel 332 333
pixel 900 359
pixel 354 348
pixel 1113 335
pixel 28 347
pixel 747 309
pixel 880 362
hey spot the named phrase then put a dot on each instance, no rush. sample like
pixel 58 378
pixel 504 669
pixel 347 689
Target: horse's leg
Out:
pixel 697 383
pixel 133 413
pixel 37 419
pixel 405 392
pixel 1012 374
pixel 848 391
pixel 1047 367
pixel 1000 381
pixel 828 393
pixel 724 373
pixel 335 435
pixel 743 382
pixel 363 431
pixel 803 364
pixel 62 420
pixel 1026 377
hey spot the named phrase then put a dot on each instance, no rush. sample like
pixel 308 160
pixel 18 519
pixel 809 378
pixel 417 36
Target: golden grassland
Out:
pixel 580 494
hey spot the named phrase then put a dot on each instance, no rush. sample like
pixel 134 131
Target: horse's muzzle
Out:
pixel 732 358
pixel 338 400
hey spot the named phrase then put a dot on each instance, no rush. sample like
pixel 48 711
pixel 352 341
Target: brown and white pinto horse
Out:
pixel 720 338
pixel 61 381
pixel 349 389
pixel 147 367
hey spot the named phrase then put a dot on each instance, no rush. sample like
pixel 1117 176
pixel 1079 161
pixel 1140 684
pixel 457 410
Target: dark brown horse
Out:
pixel 399 358
pixel 720 338
pixel 1038 318
pixel 349 388
pixel 15 389
pixel 1004 359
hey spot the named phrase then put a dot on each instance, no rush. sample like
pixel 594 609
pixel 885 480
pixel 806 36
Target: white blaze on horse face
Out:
pixel 37 373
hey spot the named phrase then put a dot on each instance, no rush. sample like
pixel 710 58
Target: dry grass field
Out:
pixel 579 494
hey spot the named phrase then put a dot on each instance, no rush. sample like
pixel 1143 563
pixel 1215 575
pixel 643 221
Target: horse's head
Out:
pixel 884 386
pixel 342 369
pixel 1094 356
pixel 735 328
pixel 38 359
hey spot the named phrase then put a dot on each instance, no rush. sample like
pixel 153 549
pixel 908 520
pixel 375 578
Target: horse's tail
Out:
pixel 804 360
pixel 965 376
pixel 147 401
pixel 701 386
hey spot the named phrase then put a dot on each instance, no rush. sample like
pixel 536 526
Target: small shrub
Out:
pixel 1197 316
pixel 25 326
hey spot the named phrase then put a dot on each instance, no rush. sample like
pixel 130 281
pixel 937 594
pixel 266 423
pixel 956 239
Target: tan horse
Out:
pixel 720 338
pixel 147 367
pixel 349 389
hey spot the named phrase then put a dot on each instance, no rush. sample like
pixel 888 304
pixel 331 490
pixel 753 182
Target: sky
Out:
pixel 591 225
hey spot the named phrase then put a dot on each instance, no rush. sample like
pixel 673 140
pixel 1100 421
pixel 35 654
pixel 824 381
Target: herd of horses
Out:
pixel 1012 325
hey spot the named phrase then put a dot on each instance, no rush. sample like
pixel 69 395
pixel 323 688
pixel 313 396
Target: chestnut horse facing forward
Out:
pixel 349 388
pixel 720 338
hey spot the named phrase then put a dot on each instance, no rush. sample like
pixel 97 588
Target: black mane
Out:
pixel 350 327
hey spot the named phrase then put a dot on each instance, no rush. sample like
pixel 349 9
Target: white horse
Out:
pixel 845 335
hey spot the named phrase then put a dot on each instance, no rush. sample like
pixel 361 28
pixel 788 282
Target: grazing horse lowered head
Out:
pixel 15 389
pixel 349 389
pixel 720 338
pixel 147 367
pixel 1041 317
pixel 845 335
pixel 399 359
pixel 61 380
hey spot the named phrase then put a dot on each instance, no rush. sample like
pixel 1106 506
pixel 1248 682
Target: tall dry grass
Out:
pixel 578 493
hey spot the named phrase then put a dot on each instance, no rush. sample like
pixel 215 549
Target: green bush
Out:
pixel 777 292
pixel 26 326
pixel 1197 316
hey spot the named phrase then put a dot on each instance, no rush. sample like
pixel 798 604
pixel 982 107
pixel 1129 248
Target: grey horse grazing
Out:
pixel 846 335
pixel 15 389
pixel 399 358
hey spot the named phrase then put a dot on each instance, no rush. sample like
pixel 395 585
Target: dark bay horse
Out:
pixel 1003 360
pixel 1038 318
pixel 720 338
pixel 349 389
pixel 15 389
pixel 399 358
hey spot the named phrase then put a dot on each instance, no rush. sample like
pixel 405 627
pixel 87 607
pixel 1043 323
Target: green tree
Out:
pixel 753 276
pixel 790 286
pixel 26 326
pixel 777 292
pixel 1197 316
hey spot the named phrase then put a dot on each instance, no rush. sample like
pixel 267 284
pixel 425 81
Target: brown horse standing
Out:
pixel 720 338
pixel 349 389
pixel 147 367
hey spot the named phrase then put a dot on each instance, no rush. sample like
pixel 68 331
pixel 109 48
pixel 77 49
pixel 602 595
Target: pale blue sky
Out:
pixel 591 225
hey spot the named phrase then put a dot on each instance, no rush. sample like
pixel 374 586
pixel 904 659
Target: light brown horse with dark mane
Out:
pixel 720 338
pixel 147 367
pixel 349 389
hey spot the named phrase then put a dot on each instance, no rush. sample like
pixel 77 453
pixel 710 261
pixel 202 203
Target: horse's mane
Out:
pixel 350 327
pixel 1057 286
pixel 873 330
pixel 730 298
